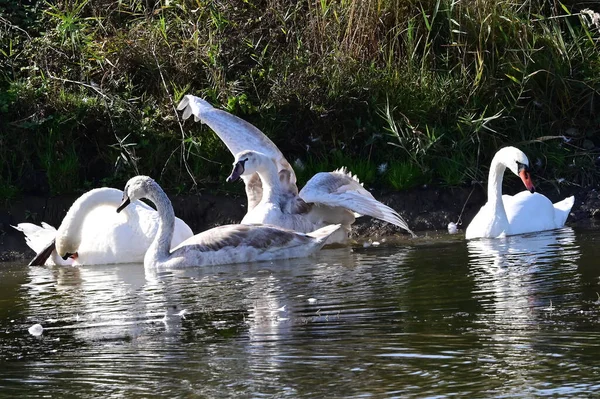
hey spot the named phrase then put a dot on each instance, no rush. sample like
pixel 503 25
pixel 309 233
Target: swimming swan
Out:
pixel 92 233
pixel 232 243
pixel 327 198
pixel 525 212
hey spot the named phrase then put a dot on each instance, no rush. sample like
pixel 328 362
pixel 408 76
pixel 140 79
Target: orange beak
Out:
pixel 526 177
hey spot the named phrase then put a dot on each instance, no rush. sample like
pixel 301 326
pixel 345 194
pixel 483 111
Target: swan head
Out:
pixel 246 163
pixel 137 187
pixel 66 246
pixel 518 163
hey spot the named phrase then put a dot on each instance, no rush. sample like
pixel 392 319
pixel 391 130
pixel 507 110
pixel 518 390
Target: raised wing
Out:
pixel 237 134
pixel 341 189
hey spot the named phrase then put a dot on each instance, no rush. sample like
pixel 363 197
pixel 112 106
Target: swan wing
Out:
pixel 237 134
pixel 529 212
pixel 341 189
pixel 247 243
pixel 236 235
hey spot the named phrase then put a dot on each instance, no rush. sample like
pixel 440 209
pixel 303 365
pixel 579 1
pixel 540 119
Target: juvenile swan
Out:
pixel 328 198
pixel 220 245
pixel 92 233
pixel 525 212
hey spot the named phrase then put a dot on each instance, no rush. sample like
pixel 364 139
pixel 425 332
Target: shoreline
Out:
pixel 424 209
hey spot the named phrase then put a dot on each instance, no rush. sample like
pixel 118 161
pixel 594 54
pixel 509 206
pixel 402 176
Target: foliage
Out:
pixel 432 88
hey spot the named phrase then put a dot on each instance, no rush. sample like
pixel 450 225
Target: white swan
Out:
pixel 92 233
pixel 220 245
pixel 327 198
pixel 525 212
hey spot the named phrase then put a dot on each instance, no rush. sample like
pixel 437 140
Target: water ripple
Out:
pixel 436 318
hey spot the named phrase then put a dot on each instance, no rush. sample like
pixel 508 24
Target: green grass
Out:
pixel 404 175
pixel 432 88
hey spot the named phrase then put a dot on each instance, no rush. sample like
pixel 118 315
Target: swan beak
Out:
pixel 238 169
pixel 526 177
pixel 126 201
pixel 69 255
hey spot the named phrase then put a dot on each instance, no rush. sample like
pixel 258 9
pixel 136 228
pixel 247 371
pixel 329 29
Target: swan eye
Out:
pixel 522 166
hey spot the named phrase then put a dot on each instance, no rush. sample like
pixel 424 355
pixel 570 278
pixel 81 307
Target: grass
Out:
pixel 431 88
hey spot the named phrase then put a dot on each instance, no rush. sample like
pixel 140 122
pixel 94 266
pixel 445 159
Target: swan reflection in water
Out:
pixel 519 282
pixel 127 321
pixel 516 270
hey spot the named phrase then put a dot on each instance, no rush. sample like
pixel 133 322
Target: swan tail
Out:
pixel 41 258
pixel 562 210
pixel 36 237
pixel 322 234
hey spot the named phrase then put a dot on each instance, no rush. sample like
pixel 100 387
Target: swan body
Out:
pixel 525 212
pixel 220 245
pixel 327 198
pixel 93 233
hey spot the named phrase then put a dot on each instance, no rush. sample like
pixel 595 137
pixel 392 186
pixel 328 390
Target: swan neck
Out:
pixel 495 184
pixel 160 247
pixel 70 228
pixel 269 176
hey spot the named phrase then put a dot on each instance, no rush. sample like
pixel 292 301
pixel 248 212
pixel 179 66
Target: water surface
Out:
pixel 443 317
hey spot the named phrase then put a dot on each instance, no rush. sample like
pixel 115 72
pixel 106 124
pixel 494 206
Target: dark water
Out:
pixel 429 318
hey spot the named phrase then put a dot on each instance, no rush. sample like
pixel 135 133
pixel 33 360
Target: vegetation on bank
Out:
pixel 403 92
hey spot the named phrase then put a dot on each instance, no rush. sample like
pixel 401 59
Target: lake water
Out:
pixel 432 317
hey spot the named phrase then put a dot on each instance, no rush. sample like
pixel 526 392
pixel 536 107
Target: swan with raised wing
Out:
pixel 91 233
pixel 525 212
pixel 233 243
pixel 327 198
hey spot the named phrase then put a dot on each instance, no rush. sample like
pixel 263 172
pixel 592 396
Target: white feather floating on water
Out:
pixel 36 330
pixel 452 228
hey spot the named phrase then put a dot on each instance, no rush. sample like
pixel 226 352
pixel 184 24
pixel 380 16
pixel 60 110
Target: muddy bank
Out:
pixel 426 208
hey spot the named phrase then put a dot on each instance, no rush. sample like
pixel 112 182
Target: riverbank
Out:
pixel 401 93
pixel 424 208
